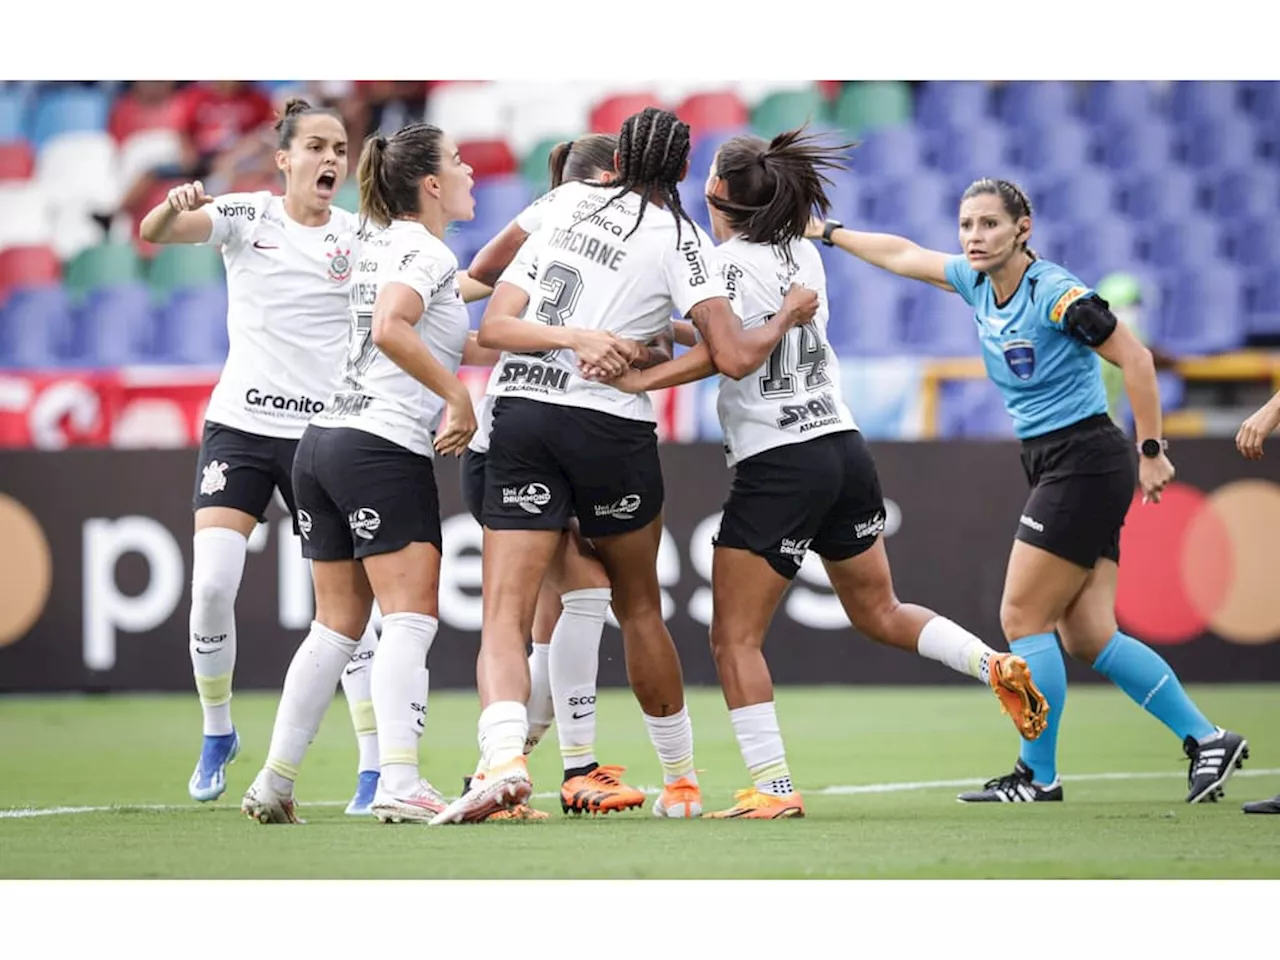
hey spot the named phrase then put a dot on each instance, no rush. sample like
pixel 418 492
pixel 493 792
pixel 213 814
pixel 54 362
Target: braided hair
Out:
pixel 653 148
pixel 1014 199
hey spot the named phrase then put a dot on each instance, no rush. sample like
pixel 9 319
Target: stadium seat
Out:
pixel 1091 250
pixel 755 92
pixel 1225 141
pixel 16 161
pixel 182 266
pixel 108 265
pixel 498 201
pixel 1040 103
pixel 488 158
pixel 79 170
pixel 970 152
pixel 1058 145
pixel 1191 101
pixel 937 323
pixel 901 203
pixel 27 267
pixel 25 217
pixel 608 115
pixel 1262 302
pixel 946 104
pixel 33 320
pixel 1117 101
pixel 869 104
pixel 1252 243
pixel 560 113
pixel 193 326
pixel 1261 100
pixel 1247 191
pixel 1203 311
pixel 534 166
pixel 14 107
pixel 468 112
pixel 69 111
pixel 866 315
pixel 710 113
pixel 890 151
pixel 1133 145
pixel 972 409
pixel 703 152
pixel 148 150
pixel 1159 195
pixel 1190 241
pixel 1083 194
pixel 348 196
pixel 115 326
pixel 787 110
pixel 75 231
pixel 694 200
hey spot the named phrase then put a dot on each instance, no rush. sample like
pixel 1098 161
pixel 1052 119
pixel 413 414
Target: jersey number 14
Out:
pixel 801 351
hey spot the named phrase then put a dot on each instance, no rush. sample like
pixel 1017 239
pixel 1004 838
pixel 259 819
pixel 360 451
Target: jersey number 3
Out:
pixel 564 286
pixel 778 381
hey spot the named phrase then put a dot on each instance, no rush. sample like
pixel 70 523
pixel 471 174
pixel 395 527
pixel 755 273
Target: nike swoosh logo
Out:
pixel 259 245
pixel 210 650
pixel 350 670
pixel 583 716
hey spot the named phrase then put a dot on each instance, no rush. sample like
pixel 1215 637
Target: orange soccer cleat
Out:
pixel 600 791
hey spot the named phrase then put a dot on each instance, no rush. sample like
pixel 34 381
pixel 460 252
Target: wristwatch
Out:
pixel 827 228
pixel 1153 448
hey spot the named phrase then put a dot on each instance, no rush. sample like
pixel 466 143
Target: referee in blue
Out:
pixel 1042 332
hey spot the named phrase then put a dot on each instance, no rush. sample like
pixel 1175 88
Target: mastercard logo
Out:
pixel 26 570
pixel 1198 563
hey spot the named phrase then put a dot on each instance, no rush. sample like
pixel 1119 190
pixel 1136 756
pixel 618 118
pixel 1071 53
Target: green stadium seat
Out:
pixel 871 104
pixel 786 110
pixel 107 265
pixel 183 266
pixel 348 196
pixel 533 167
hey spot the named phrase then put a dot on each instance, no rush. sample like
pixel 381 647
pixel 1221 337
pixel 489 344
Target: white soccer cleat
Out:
pixel 501 788
pixel 680 800
pixel 266 805
pixel 417 806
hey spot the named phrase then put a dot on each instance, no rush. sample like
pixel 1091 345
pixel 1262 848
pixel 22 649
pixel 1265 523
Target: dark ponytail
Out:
pixel 391 168
pixel 773 189
pixel 294 108
pixel 581 159
pixel 373 203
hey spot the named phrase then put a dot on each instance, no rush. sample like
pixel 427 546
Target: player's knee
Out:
pixel 1019 620
pixel 214 591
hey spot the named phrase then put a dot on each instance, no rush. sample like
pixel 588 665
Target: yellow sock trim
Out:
pixel 214 691
pixel 399 756
pixel 678 768
pixel 570 752
pixel 362 718
pixel 770 771
pixel 286 770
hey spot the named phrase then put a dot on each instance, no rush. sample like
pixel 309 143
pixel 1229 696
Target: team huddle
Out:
pixel 341 390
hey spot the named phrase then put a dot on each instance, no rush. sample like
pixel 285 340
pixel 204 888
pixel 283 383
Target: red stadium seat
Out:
pixel 27 267
pixel 608 115
pixel 488 158
pixel 713 111
pixel 154 195
pixel 16 161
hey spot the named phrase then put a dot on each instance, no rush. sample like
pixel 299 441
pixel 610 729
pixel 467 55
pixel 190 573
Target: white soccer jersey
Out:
pixel 377 396
pixel 795 395
pixel 287 292
pixel 586 275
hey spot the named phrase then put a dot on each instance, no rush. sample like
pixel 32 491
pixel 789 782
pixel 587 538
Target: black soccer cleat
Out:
pixel 1212 764
pixel 1264 806
pixel 1016 787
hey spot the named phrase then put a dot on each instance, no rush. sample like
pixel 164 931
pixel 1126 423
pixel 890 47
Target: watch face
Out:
pixel 1151 448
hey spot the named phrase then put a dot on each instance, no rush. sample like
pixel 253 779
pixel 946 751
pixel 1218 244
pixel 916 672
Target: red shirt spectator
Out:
pixel 217 114
pixel 149 105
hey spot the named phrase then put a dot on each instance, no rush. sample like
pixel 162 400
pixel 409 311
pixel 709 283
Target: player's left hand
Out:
pixel 1254 431
pixel 458 426
pixel 1154 474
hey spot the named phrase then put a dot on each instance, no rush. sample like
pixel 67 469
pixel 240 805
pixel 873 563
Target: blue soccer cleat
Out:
pixel 209 781
pixel 366 787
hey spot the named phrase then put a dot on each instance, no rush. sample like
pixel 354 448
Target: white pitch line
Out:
pixel 24 813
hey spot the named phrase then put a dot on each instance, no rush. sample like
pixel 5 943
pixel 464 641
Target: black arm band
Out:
pixel 1090 320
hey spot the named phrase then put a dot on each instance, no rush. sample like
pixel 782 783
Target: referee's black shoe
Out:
pixel 1264 806
pixel 1212 764
pixel 1016 787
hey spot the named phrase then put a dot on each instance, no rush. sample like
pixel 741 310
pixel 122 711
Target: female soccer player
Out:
pixel 803 477
pixel 364 478
pixel 575 595
pixel 564 446
pixel 1042 331
pixel 288 262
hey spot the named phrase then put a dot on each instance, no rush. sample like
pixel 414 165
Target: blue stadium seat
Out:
pixel 921 198
pixel 1122 101
pixel 1195 100
pixel 498 201
pixel 115 326
pixel 1133 145
pixel 1082 195
pixel 693 197
pixel 33 322
pixel 1249 191
pixel 1093 249
pixel 945 104
pixel 890 151
pixel 1187 241
pixel 973 409
pixel 937 323
pixel 1158 195
pixel 1054 146
pixel 1202 312
pixel 864 302
pixel 1252 243
pixel 69 111
pixel 1226 141
pixel 1036 102
pixel 1261 99
pixel 972 152
pixel 13 114
pixel 193 326
pixel 1262 302
pixel 846 193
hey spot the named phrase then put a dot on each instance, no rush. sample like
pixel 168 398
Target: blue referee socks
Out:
pixel 1044 657
pixel 1151 683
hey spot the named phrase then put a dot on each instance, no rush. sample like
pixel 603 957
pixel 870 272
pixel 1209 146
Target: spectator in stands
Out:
pixel 1123 292
pixel 146 105
pixel 216 114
